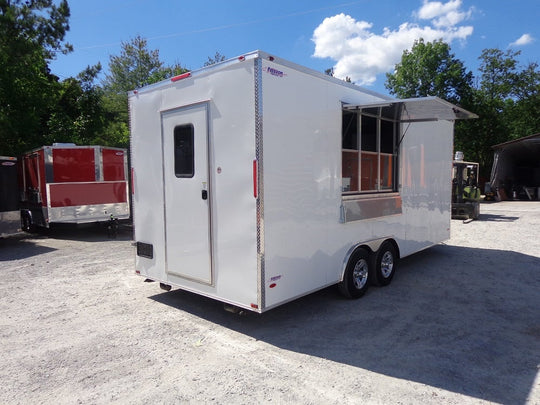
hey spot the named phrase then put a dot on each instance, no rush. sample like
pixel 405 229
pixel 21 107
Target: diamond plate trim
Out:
pixel 260 189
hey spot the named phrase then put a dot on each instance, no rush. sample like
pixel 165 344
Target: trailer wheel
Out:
pixel 384 264
pixel 356 277
pixel 27 224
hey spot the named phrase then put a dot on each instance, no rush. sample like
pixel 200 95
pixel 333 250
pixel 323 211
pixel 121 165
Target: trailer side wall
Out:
pixel 305 241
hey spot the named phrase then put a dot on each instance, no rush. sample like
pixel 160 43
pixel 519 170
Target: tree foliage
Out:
pixel 31 32
pixel 36 108
pixel 217 58
pixel 77 114
pixel 507 100
pixel 430 69
pixel 133 68
pixel 506 97
pixel 136 66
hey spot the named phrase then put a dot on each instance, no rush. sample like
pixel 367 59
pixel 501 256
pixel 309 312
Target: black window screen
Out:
pixel 369 134
pixel 387 136
pixel 349 133
pixel 184 152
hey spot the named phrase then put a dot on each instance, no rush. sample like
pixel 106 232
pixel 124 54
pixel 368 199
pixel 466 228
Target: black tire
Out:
pixel 26 223
pixel 356 278
pixel 384 264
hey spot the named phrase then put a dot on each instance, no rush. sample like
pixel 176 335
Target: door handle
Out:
pixel 204 194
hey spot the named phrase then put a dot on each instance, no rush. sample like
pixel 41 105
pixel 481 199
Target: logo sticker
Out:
pixel 274 72
pixel 273 281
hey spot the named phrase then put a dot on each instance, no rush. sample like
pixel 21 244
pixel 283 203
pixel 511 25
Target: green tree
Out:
pixel 77 114
pixel 506 96
pixel 523 116
pixel 507 100
pixel 31 33
pixel 430 69
pixel 135 67
pixel 215 59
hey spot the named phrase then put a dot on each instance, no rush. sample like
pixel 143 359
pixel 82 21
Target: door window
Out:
pixel 184 153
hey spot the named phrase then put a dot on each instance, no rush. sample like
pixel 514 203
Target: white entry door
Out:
pixel 188 233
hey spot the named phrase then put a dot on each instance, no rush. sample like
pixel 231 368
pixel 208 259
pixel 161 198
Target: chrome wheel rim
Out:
pixel 387 264
pixel 360 274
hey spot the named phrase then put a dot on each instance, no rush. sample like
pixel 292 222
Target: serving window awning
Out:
pixel 415 109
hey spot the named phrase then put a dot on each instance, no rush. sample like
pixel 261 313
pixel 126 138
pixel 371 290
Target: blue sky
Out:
pixel 360 39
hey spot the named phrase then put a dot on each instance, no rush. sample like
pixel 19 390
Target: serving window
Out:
pixel 369 151
pixel 371 135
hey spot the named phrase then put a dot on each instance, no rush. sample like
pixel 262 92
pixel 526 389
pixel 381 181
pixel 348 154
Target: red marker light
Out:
pixel 254 306
pixel 242 58
pixel 272 285
pixel 180 77
pixel 255 191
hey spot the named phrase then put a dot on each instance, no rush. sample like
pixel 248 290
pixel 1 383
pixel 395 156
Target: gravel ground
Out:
pixel 460 324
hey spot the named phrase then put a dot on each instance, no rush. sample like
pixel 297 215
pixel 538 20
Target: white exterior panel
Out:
pixel 426 167
pixel 229 94
pixel 305 243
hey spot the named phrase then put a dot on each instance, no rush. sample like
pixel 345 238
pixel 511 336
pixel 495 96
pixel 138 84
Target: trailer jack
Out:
pixel 233 309
pixel 112 227
pixel 165 287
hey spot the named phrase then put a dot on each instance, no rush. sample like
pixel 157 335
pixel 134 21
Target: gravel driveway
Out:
pixel 459 324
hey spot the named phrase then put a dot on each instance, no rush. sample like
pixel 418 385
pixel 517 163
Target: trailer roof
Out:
pixel 420 109
pixel 250 56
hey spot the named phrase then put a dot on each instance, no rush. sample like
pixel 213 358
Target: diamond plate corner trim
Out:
pixel 260 180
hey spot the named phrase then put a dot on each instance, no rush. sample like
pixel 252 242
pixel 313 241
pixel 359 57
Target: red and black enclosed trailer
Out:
pixel 65 183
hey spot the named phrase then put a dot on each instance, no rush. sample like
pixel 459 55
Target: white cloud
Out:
pixel 443 15
pixel 361 54
pixel 525 39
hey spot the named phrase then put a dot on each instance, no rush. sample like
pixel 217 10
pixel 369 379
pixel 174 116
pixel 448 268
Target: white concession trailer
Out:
pixel 257 181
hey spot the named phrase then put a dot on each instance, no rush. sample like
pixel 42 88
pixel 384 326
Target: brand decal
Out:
pixel 119 153
pixel 273 281
pixel 274 72
pixel 8 163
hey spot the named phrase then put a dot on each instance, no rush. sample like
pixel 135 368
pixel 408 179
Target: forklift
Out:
pixel 465 190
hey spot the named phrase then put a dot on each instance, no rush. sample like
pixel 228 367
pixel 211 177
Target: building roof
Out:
pixel 531 139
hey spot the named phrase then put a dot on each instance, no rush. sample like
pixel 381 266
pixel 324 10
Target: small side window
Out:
pixel 184 153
